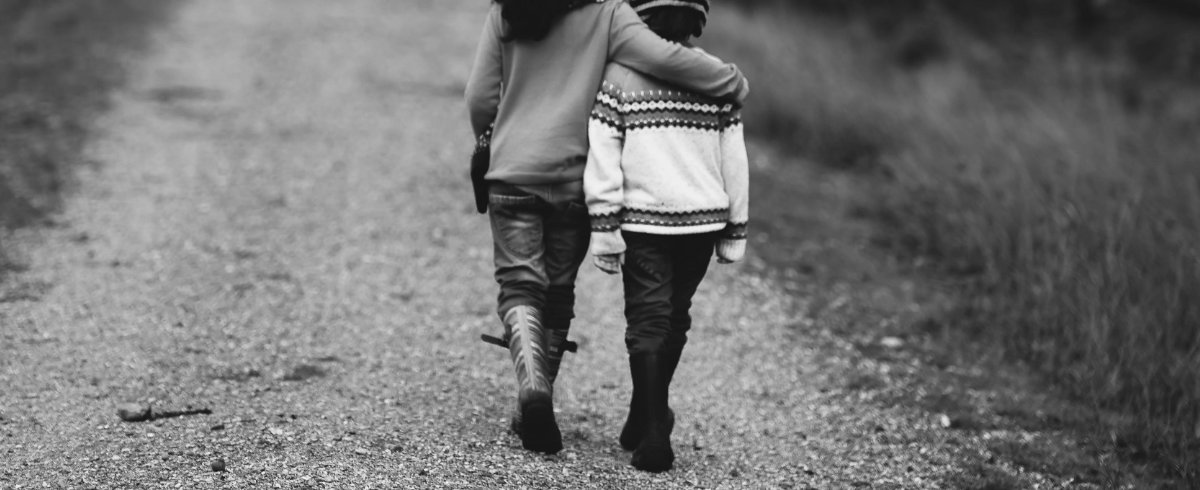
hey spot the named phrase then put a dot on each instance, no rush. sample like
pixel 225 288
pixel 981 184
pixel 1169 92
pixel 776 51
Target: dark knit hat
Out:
pixel 642 7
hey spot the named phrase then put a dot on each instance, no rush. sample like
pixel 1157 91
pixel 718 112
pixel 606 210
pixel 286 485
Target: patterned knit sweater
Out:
pixel 666 162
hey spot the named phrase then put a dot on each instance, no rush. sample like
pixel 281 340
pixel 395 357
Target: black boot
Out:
pixel 535 397
pixel 556 345
pixel 560 310
pixel 654 452
pixel 631 433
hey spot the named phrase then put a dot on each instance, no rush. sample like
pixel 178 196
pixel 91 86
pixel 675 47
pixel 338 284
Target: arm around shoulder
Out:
pixel 634 45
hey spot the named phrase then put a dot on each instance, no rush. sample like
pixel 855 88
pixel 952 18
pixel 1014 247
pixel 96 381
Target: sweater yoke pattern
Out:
pixel 664 162
pixel 661 109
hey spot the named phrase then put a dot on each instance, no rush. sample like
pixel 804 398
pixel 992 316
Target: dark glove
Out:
pixel 481 160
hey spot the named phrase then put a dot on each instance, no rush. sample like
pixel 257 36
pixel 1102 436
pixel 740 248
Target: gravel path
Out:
pixel 279 229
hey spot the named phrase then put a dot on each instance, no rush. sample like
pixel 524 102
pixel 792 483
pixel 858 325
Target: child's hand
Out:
pixel 610 263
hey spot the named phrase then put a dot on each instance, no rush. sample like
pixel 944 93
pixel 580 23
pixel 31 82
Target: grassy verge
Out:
pixel 58 60
pixel 1064 185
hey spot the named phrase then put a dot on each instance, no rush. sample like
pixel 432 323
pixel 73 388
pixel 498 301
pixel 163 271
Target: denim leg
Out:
pixel 647 277
pixel 566 243
pixel 517 234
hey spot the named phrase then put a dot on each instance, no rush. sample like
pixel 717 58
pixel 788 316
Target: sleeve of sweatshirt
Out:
pixel 603 179
pixel 483 84
pixel 735 170
pixel 635 46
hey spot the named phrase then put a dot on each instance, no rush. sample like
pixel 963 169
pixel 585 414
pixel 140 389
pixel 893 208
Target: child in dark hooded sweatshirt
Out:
pixel 537 69
pixel 666 183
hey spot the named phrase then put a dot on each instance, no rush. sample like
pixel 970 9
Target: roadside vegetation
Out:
pixel 58 59
pixel 1049 159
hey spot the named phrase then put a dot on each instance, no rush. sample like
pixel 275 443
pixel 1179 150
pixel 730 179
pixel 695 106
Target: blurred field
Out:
pixel 1060 180
pixel 57 61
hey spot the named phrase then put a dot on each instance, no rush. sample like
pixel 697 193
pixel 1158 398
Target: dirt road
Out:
pixel 279 229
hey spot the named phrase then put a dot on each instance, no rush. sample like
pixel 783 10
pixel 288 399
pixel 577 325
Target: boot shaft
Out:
pixel 653 452
pixel 556 346
pixel 527 347
pixel 651 389
pixel 669 357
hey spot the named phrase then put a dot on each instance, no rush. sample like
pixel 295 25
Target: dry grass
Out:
pixel 1067 187
pixel 58 59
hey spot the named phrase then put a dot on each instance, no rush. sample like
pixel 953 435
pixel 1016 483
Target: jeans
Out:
pixel 661 274
pixel 540 241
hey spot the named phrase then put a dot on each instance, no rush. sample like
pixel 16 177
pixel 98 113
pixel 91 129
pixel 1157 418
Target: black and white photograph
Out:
pixel 600 244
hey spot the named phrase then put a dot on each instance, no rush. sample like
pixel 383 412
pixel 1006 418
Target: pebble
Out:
pixel 133 412
pixel 218 466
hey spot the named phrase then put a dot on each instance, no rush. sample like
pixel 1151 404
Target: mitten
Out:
pixel 731 249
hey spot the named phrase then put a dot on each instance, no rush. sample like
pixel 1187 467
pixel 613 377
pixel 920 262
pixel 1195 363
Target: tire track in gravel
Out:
pixel 281 230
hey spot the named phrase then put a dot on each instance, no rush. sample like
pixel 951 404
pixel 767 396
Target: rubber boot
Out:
pixel 535 396
pixel 556 345
pixel 560 310
pixel 631 433
pixel 671 352
pixel 654 452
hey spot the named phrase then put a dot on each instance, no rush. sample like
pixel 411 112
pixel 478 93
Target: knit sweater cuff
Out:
pixel 734 231
pixel 605 222
pixel 731 249
pixel 607 242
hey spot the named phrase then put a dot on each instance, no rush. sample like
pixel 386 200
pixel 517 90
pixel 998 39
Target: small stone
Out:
pixel 892 342
pixel 218 466
pixel 217 427
pixel 397 448
pixel 133 412
pixel 944 421
pixel 362 452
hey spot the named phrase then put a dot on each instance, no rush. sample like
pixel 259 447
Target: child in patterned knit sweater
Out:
pixel 666 183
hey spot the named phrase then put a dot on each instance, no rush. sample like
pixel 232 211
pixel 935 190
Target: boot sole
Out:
pixel 539 430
